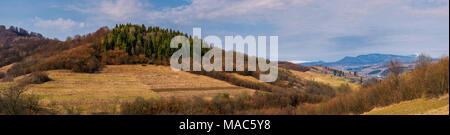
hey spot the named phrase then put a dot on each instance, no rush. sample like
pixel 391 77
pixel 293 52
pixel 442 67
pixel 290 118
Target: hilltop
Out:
pixel 8 35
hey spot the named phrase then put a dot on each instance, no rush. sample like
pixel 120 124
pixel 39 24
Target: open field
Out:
pixel 434 106
pixel 329 79
pixel 4 69
pixel 3 85
pixel 126 82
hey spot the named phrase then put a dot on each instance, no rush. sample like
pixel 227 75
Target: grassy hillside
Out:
pixel 422 106
pixel 118 83
pixel 124 70
pixel 83 75
pixel 334 81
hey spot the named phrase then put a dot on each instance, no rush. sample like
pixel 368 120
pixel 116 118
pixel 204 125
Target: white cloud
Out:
pixel 436 12
pixel 57 24
pixel 121 9
pixel 306 24
pixel 197 10
pixel 299 61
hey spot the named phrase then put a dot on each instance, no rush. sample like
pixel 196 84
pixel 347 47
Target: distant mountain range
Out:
pixel 364 59
pixel 371 65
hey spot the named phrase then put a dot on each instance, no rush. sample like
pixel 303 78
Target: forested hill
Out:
pixel 16 44
pixel 8 35
pixel 124 44
pixel 136 40
pixel 152 42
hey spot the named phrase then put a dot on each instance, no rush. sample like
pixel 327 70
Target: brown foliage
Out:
pixel 80 54
pixel 2 75
pixel 79 59
pixel 429 81
pixel 292 66
pixel 37 78
pixel 219 105
pixel 14 102
pixel 120 57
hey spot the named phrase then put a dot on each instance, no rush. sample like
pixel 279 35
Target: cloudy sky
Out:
pixel 308 30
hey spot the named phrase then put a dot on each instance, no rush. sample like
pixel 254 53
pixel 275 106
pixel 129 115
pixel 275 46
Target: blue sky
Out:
pixel 308 30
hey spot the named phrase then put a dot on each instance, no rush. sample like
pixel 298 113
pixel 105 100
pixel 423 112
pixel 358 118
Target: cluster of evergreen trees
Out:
pixel 338 73
pixel 153 42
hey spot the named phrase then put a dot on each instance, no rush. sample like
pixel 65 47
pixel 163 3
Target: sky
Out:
pixel 308 30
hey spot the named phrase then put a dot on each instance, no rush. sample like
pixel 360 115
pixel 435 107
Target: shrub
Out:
pixel 80 59
pixel 115 57
pixel 8 78
pixel 344 89
pixel 88 65
pixel 38 78
pixel 317 88
pixel 14 102
pixel 2 75
pixel 220 104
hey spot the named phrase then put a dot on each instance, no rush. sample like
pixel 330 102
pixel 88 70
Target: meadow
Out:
pixel 422 106
pixel 121 83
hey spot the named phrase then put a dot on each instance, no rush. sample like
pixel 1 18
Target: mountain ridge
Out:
pixel 8 35
pixel 369 65
pixel 373 58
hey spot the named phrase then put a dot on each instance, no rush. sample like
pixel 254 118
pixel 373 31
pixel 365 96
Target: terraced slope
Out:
pixel 126 82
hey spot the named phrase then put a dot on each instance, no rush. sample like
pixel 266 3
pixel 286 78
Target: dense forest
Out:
pixel 153 42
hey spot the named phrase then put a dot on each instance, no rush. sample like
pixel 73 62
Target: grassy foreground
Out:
pixel 122 83
pixel 422 106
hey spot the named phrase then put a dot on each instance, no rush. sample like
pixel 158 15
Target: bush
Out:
pixel 38 78
pixel 317 88
pixel 8 78
pixel 89 65
pixel 2 75
pixel 14 102
pixel 80 59
pixel 220 104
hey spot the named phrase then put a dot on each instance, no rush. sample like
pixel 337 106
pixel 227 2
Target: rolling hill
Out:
pixel 422 106
pixel 117 84
pixel 125 70
pixel 112 66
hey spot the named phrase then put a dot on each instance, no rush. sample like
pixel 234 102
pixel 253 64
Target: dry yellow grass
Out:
pixel 435 106
pixel 4 69
pixel 3 85
pixel 124 83
pixel 331 80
